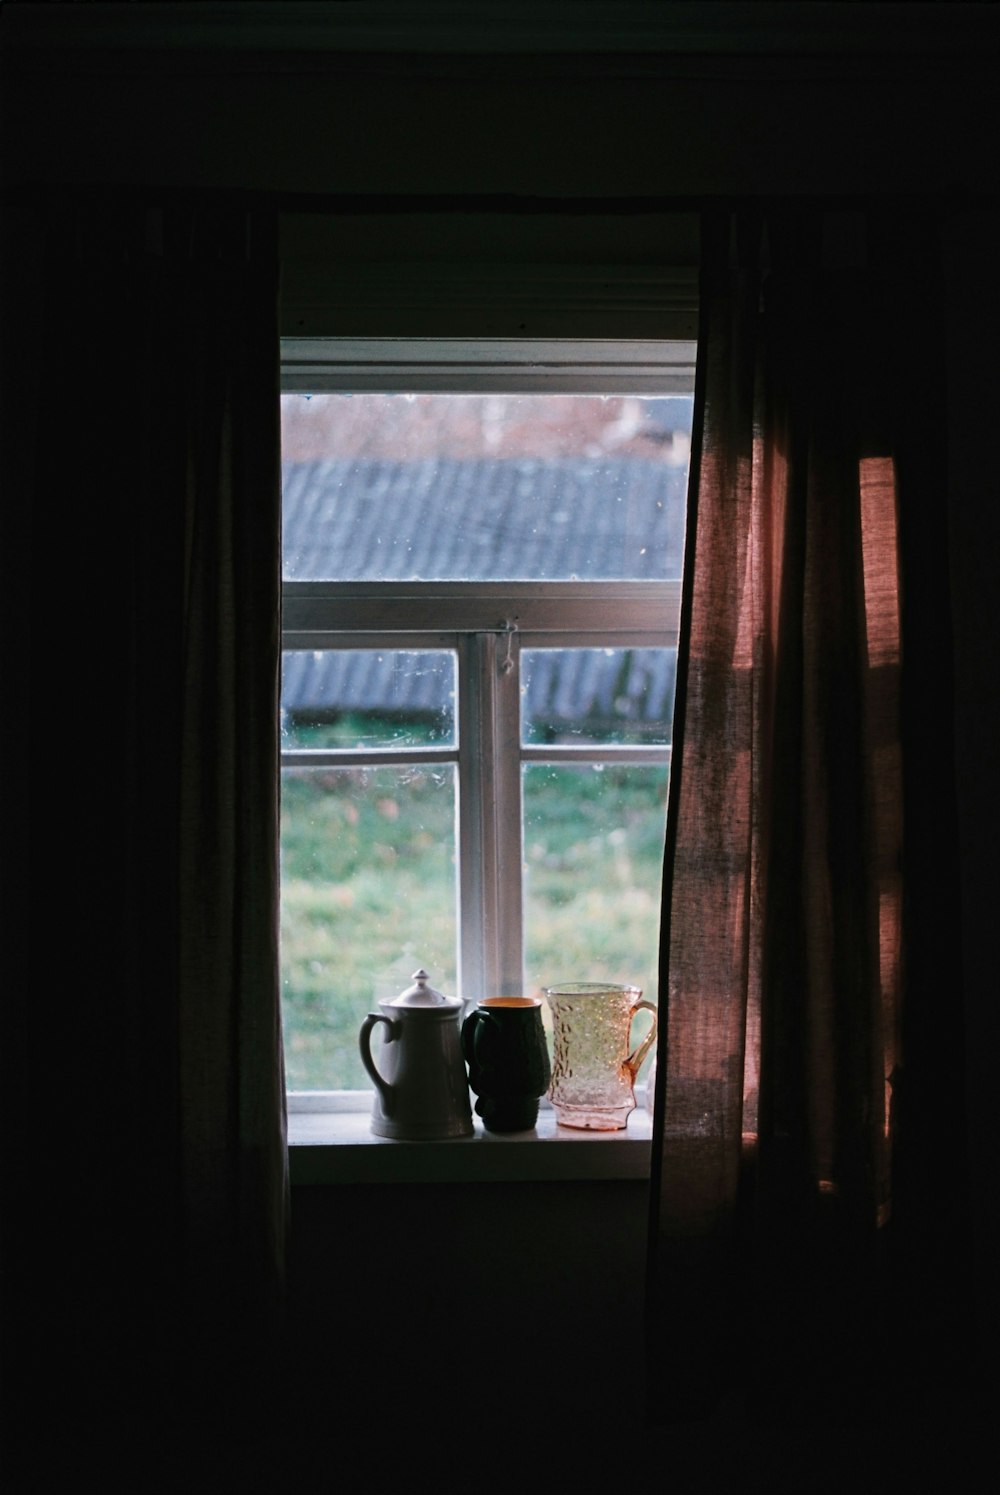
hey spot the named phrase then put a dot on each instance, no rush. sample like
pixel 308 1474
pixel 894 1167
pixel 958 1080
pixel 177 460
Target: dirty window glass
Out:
pixel 400 487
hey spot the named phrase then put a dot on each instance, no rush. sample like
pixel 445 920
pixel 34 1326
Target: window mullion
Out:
pixel 509 937
pixel 491 961
pixel 475 822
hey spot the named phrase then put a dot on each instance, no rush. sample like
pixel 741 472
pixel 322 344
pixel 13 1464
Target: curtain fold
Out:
pixel 157 1274
pixel 808 1155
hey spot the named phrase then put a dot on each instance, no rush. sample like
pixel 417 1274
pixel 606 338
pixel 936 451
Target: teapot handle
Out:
pixel 635 1059
pixel 365 1045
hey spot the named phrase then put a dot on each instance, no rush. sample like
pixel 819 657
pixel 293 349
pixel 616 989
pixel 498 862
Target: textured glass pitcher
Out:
pixel 593 1062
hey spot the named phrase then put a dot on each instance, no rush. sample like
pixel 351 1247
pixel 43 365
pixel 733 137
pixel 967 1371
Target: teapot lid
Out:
pixel 422 994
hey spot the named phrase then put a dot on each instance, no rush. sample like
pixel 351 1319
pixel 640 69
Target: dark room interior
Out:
pixel 434 171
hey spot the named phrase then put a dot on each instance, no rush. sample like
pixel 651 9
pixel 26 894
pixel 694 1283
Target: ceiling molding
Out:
pixel 544 28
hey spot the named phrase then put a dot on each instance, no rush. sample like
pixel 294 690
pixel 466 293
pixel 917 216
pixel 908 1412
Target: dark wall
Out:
pixel 973 244
pixel 583 126
pixel 457 1294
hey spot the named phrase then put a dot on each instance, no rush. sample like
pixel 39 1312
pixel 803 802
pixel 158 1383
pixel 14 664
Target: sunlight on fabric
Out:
pixel 879 541
pixel 877 482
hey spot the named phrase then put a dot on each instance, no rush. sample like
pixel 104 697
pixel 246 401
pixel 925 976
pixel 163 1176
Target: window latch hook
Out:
pixel 507 663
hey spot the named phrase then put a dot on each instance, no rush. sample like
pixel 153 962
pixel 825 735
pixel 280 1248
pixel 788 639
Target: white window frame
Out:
pixel 487 624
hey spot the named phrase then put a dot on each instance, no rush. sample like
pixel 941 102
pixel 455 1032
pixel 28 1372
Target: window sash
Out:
pixel 489 753
pixel 590 611
pixel 486 623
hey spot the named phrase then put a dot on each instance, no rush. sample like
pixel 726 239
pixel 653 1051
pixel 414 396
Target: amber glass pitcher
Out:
pixel 594 1063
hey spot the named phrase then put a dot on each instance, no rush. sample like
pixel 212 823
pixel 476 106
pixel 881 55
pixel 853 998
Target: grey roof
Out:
pixel 518 518
pixel 565 689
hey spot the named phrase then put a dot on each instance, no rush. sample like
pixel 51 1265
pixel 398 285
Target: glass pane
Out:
pixel 367 698
pixel 487 487
pixel 604 696
pixel 368 896
pixel 593 859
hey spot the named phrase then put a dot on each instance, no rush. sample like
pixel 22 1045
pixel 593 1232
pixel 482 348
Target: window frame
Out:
pixel 488 624
pixel 488 627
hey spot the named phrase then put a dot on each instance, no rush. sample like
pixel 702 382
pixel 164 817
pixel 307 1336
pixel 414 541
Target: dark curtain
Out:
pixel 808 1236
pixel 145 1272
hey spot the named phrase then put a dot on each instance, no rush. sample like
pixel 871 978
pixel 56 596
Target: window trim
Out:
pixel 331 1142
pixel 455 365
pixel 329 1131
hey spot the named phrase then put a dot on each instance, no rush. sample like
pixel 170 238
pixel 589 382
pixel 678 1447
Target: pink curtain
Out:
pixel 807 1193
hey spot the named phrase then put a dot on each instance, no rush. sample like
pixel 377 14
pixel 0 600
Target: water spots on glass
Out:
pixel 482 487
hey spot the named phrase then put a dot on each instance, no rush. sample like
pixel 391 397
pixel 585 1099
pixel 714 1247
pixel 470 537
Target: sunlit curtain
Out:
pixel 151 1032
pixel 808 1164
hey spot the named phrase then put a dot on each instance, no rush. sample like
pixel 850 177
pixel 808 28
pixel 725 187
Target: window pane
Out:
pixel 367 698
pixel 604 696
pixel 484 487
pixel 368 866
pixel 593 857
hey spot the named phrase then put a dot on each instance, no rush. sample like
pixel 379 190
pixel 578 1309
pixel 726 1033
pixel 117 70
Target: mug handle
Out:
pixel 635 1059
pixel 467 1031
pixel 470 1033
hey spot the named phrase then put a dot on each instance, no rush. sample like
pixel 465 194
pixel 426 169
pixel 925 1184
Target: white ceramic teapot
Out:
pixel 421 1083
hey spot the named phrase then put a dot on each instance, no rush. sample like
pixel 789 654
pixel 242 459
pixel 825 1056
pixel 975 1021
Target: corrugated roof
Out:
pixel 519 518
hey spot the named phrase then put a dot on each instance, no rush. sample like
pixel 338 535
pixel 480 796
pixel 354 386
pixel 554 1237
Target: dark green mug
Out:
pixel 505 1047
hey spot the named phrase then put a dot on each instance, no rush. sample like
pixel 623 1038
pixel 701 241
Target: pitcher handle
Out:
pixel 634 1060
pixel 365 1045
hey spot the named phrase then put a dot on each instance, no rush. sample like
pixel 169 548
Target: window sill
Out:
pixel 335 1145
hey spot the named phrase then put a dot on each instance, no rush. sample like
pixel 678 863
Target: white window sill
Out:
pixel 331 1142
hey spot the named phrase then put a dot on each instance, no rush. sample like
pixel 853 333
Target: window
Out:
pixel 482 548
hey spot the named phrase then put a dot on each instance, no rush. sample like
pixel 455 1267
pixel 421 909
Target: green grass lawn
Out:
pixel 368 894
